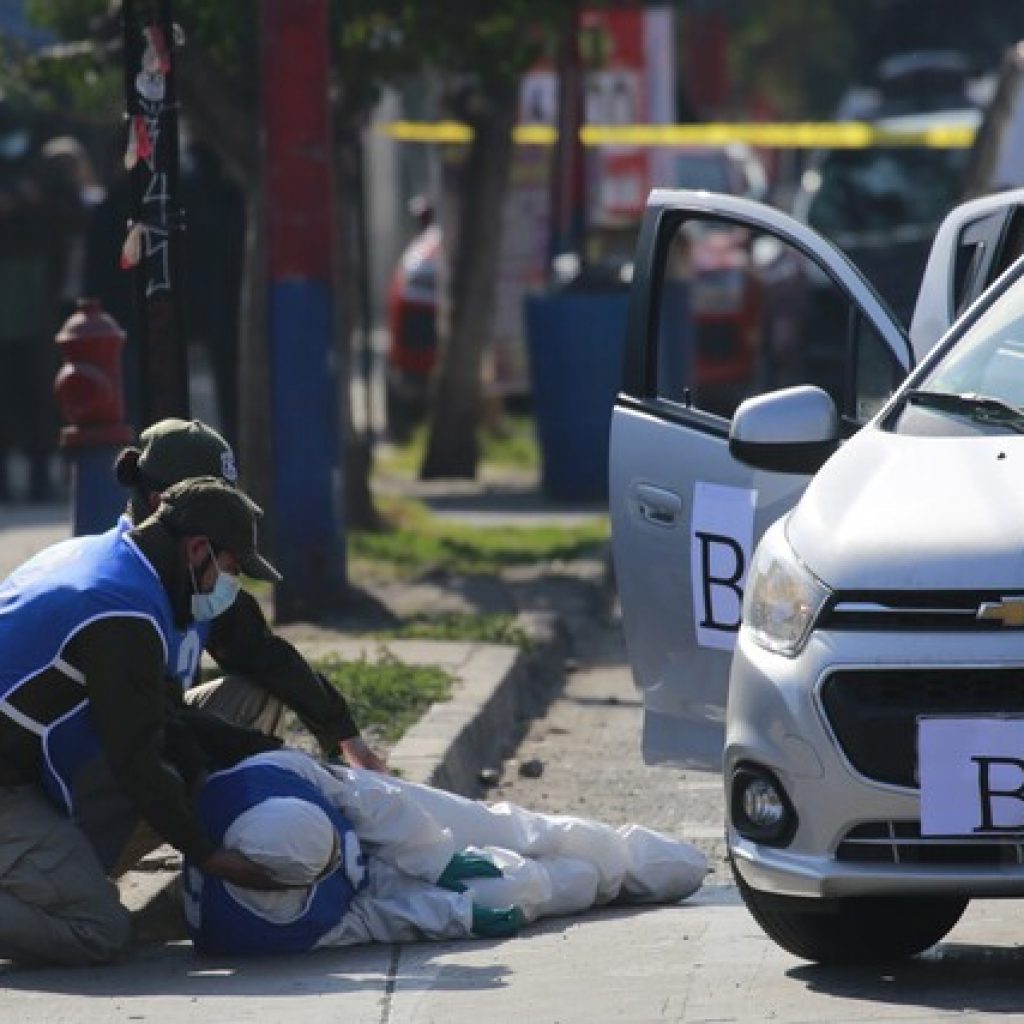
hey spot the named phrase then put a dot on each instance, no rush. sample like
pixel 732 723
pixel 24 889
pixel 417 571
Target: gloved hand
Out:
pixel 467 864
pixel 496 924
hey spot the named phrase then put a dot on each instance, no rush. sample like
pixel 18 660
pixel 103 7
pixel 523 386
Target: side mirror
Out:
pixel 789 431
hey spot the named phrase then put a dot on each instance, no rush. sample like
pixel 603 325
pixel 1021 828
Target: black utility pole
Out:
pixel 153 247
pixel 568 178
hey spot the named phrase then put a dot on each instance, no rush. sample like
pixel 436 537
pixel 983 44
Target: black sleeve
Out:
pixel 216 742
pixel 122 659
pixel 241 641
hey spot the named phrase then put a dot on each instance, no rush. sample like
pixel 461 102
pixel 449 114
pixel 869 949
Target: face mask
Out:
pixel 225 589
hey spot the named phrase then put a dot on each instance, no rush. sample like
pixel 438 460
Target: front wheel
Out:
pixel 854 929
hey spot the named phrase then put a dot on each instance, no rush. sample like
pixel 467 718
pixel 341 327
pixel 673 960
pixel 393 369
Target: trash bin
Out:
pixel 575 341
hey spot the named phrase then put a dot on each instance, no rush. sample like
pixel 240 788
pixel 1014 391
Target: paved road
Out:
pixel 26 529
pixel 701 962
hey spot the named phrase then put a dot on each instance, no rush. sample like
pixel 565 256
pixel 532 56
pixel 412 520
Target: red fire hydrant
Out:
pixel 90 394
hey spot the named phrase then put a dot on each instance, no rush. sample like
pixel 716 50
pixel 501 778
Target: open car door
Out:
pixel 731 299
pixel 974 244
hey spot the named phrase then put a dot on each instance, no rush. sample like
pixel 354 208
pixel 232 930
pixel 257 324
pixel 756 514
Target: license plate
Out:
pixel 971 773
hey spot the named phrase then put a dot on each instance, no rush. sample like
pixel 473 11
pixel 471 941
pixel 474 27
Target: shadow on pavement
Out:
pixel 954 976
pixel 174 968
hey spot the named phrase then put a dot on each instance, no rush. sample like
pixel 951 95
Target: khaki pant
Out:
pixel 238 700
pixel 56 904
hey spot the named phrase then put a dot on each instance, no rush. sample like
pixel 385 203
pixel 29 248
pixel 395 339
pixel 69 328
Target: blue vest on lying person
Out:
pixel 217 921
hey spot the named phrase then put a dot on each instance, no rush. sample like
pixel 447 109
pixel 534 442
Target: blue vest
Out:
pixel 217 923
pixel 187 645
pixel 43 604
pixel 187 648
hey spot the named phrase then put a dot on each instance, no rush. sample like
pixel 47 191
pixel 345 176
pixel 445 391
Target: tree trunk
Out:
pixel 226 123
pixel 255 421
pixel 360 511
pixel 452 449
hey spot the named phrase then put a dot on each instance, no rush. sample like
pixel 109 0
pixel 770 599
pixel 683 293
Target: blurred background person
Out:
pixel 41 211
pixel 66 158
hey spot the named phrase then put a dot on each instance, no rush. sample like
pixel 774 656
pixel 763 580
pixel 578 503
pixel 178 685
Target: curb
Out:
pixel 499 690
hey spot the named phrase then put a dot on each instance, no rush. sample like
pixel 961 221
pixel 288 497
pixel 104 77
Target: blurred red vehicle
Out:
pixel 412 328
pixel 726 292
pixel 726 299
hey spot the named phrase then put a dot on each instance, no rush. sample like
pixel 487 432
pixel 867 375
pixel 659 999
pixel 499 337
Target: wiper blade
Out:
pixel 983 408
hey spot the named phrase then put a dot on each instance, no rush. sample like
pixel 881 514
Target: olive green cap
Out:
pixel 173 450
pixel 207 506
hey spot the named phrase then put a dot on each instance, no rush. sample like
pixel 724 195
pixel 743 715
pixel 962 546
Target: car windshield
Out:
pixel 871 189
pixel 988 360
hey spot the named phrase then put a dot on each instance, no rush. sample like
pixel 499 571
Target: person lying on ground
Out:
pixel 371 858
pixel 264 675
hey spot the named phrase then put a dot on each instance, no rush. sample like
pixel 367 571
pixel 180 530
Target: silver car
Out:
pixel 822 583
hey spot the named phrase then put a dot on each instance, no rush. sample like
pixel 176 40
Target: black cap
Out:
pixel 173 449
pixel 207 506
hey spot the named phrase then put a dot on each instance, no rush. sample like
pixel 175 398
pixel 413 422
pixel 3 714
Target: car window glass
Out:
pixel 878 373
pixel 989 358
pixel 741 313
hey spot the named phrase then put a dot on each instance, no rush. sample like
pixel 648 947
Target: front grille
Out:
pixel 901 842
pixel 874 712
pixel 912 611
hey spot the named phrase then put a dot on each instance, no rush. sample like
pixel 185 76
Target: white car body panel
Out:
pixel 653 524
pixel 916 513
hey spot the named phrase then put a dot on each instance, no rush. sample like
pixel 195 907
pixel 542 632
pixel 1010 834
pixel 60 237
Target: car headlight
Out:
pixel 782 598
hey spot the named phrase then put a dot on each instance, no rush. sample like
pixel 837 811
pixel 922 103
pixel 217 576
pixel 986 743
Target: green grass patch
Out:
pixel 481 629
pixel 414 542
pixel 511 443
pixel 387 694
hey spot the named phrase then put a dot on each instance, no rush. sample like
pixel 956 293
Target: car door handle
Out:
pixel 656 505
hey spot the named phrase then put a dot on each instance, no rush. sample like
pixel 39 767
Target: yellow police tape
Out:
pixel 798 135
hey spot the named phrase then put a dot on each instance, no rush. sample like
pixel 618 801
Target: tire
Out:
pixel 853 930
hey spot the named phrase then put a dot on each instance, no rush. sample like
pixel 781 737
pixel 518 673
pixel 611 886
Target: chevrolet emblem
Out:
pixel 1009 611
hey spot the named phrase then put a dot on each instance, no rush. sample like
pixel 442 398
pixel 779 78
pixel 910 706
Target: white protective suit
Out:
pixel 551 864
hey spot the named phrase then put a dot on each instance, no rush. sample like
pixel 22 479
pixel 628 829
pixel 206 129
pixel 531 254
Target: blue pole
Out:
pixel 97 499
pixel 308 538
